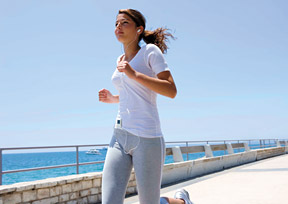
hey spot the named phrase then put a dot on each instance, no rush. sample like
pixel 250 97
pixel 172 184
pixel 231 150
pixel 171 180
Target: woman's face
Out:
pixel 125 29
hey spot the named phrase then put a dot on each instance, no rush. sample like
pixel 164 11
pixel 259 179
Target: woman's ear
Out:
pixel 140 30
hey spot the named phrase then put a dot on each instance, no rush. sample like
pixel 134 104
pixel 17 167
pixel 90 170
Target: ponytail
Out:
pixel 158 37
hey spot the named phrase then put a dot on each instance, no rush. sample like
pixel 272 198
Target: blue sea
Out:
pixel 31 160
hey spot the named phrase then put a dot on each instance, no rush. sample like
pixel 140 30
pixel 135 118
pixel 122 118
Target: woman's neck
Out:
pixel 130 51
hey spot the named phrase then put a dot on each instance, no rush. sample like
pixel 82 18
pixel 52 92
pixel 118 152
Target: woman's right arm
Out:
pixel 105 96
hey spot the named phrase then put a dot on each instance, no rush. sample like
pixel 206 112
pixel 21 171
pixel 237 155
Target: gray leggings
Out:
pixel 145 154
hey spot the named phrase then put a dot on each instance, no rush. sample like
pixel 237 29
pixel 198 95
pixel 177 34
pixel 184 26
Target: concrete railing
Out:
pixel 86 188
pixel 263 143
pixel 178 152
pixel 189 169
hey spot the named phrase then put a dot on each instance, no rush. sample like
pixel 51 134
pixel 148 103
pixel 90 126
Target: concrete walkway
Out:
pixel 261 182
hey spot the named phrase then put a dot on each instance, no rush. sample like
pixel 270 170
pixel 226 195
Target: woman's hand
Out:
pixel 105 96
pixel 125 67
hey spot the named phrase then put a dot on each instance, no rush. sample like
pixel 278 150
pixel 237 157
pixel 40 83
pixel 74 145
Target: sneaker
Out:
pixel 184 195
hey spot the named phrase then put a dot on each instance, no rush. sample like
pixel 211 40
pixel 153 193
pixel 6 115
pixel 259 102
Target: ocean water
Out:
pixel 43 159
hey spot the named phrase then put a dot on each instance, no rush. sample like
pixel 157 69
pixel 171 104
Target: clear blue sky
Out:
pixel 230 64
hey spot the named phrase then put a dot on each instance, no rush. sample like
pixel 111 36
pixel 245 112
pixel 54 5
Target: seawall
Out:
pixel 86 188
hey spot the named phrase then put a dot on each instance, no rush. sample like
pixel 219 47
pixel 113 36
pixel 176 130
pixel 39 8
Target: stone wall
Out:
pixel 86 188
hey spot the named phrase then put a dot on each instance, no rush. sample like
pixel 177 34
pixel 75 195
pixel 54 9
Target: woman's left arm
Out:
pixel 163 85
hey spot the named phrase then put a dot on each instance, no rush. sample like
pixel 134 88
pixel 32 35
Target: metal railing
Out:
pixel 77 164
pixel 263 143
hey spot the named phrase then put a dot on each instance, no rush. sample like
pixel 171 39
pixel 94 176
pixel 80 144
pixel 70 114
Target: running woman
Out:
pixel 137 141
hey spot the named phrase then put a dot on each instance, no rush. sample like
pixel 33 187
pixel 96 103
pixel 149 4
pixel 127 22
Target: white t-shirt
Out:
pixel 137 104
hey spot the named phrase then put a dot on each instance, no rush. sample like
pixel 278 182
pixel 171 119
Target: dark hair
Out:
pixel 157 37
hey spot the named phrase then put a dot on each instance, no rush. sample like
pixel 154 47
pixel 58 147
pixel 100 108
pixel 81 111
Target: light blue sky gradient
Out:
pixel 229 62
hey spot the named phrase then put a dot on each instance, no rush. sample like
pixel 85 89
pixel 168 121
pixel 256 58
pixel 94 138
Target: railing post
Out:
pixel 246 147
pixel 1 167
pixel 187 155
pixel 238 147
pixel 230 149
pixel 269 143
pixel 278 144
pixel 77 159
pixel 208 151
pixel 177 154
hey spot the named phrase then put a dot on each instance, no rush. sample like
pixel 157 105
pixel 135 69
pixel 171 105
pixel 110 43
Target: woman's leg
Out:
pixel 116 173
pixel 148 159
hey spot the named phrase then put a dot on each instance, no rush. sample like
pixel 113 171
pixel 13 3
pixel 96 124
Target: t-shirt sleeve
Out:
pixel 155 59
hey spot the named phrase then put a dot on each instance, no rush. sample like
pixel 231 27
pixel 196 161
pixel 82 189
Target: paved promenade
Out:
pixel 261 182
